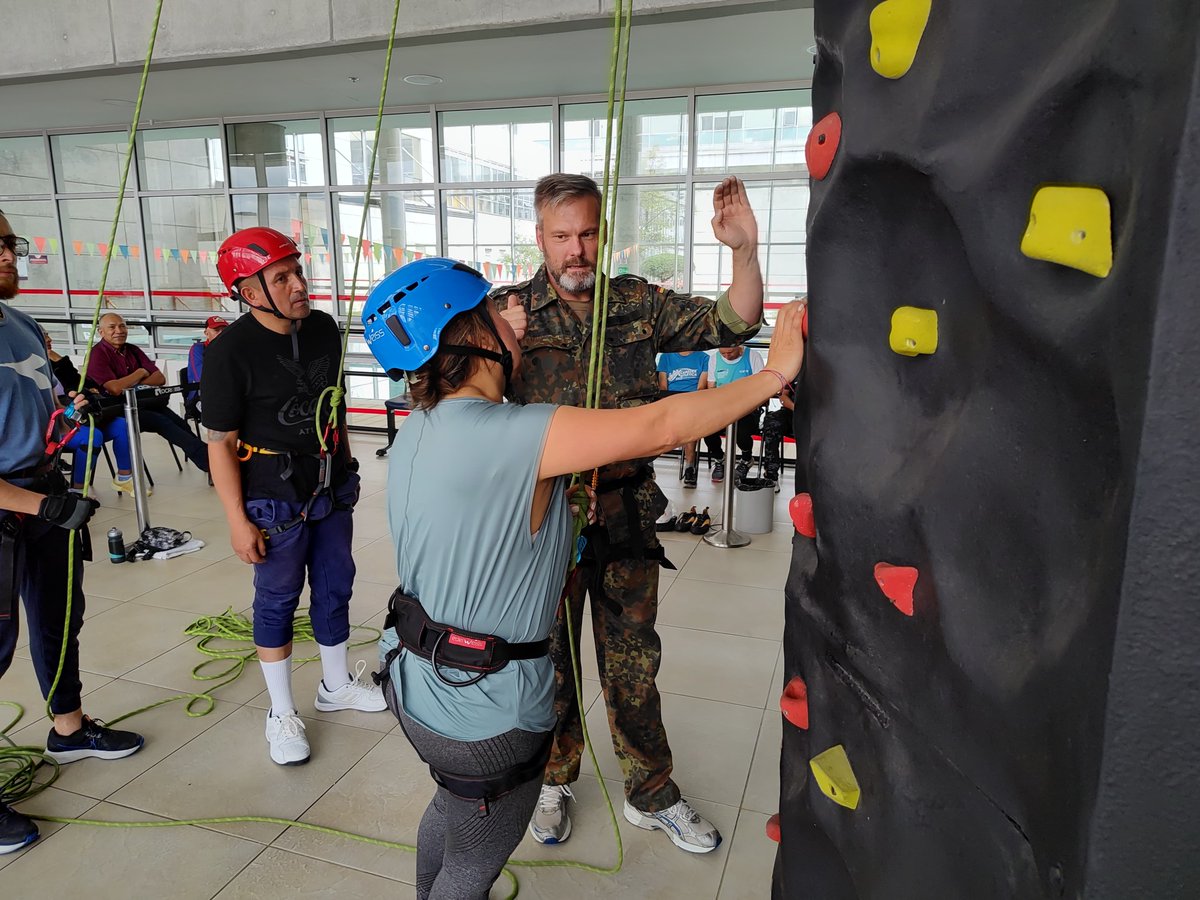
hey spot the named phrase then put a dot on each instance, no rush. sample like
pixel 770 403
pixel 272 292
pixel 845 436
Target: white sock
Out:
pixel 279 685
pixel 334 666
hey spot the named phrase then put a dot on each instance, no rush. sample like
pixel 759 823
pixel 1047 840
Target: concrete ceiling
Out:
pixel 703 49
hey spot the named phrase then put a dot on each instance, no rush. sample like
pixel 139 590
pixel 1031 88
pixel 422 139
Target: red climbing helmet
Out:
pixel 249 251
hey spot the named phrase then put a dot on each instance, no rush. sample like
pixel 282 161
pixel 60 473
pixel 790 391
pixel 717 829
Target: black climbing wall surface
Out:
pixel 990 438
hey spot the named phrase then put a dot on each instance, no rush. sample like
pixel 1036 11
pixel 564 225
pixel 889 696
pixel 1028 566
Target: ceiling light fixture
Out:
pixel 422 79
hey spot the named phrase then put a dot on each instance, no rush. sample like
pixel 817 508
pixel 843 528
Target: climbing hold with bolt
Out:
pixel 835 777
pixel 822 145
pixel 794 702
pixel 914 331
pixel 896 30
pixel 800 508
pixel 1071 225
pixel 897 584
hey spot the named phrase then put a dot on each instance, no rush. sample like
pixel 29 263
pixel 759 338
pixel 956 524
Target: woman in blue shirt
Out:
pixel 480 520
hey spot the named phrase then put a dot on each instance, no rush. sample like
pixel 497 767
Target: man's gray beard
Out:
pixel 577 285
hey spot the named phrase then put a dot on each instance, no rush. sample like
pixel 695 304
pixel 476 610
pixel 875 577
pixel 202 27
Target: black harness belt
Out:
pixel 456 648
pixel 483 654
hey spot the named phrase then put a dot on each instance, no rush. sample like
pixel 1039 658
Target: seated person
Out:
pixel 212 327
pixel 108 425
pixel 115 364
pixel 725 366
pixel 777 424
pixel 684 372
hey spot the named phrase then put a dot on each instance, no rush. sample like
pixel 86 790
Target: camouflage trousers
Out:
pixel 624 607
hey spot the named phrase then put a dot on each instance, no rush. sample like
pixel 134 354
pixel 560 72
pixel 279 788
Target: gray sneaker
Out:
pixel 687 829
pixel 550 823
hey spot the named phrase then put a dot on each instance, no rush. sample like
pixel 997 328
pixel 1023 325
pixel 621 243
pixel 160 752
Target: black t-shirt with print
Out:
pixel 254 383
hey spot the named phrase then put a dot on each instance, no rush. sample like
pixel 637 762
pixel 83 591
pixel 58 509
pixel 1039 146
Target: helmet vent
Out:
pixel 395 327
pixel 257 248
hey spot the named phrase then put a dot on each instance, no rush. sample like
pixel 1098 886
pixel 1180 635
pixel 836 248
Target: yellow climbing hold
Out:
pixel 834 776
pixel 914 331
pixel 896 30
pixel 1071 226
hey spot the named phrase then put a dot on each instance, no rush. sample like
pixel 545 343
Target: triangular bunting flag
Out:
pixel 124 248
pixel 158 253
pixel 78 245
pixel 398 252
pixel 40 243
pixel 186 254
pixel 91 249
pixel 54 245
pixel 103 248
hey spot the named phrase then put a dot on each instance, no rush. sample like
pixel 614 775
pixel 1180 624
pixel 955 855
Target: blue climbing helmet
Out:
pixel 406 312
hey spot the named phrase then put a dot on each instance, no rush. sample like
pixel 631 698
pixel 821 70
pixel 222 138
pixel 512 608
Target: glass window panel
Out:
pixel 493 231
pixel 276 154
pixel 495 144
pixel 181 159
pixel 183 234
pixel 60 336
pixel 654 138
pixel 41 272
pixel 86 225
pixel 401 227
pixel 23 166
pixel 90 162
pixel 753 132
pixel 787 274
pixel 305 218
pixel 180 337
pixel 406 151
pixel 649 233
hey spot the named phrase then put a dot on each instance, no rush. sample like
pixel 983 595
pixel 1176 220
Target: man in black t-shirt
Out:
pixel 288 503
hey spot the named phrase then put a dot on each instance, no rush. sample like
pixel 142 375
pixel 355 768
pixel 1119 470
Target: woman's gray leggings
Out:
pixel 460 852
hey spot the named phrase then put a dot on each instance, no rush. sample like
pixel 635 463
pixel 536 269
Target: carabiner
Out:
pixel 52 445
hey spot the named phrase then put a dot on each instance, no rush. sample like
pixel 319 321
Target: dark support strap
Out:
pixel 456 648
pixel 10 531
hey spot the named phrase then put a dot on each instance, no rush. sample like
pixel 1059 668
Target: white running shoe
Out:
pixel 285 734
pixel 358 693
pixel 550 823
pixel 687 829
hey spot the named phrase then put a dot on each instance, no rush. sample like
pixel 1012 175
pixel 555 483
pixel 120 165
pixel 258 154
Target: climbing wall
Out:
pixel 992 192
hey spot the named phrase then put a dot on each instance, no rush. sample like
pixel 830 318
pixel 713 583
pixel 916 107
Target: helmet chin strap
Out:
pixel 505 357
pixel 274 310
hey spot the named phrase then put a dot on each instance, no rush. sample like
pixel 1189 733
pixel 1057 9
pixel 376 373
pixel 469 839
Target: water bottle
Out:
pixel 116 545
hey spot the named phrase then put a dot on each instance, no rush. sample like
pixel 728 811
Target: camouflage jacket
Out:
pixel 643 321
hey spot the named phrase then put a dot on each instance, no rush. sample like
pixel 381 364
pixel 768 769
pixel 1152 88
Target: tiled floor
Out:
pixel 721 621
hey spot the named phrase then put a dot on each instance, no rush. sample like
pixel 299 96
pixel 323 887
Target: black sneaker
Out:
pixel 718 472
pixel 16 830
pixel 741 471
pixel 93 739
pixel 689 476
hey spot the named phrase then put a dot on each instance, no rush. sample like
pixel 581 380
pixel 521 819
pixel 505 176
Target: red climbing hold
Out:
pixel 773 831
pixel 897 583
pixel 804 322
pixel 794 702
pixel 800 508
pixel 822 145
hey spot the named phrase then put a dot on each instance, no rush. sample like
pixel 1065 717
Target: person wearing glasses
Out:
pixel 39 519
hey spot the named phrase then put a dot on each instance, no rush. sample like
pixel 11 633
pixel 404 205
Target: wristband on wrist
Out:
pixel 783 382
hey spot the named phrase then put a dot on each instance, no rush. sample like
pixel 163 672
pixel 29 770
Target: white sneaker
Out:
pixel 550 823
pixel 687 829
pixel 358 693
pixel 285 734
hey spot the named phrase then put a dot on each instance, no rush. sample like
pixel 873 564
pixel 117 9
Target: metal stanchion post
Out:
pixel 136 463
pixel 727 536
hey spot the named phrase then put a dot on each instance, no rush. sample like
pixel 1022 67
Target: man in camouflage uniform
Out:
pixel 552 315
